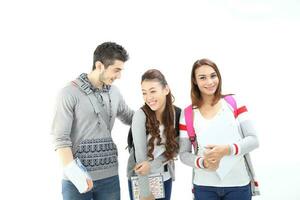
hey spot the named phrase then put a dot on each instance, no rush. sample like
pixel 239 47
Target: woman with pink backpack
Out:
pixel 216 136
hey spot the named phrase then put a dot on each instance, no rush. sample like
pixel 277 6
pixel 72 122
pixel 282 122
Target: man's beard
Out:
pixel 101 79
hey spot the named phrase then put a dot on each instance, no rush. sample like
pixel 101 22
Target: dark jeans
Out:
pixel 222 193
pixel 167 187
pixel 104 189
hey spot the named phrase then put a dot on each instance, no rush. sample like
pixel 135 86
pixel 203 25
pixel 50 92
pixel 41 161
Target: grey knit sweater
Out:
pixel 77 125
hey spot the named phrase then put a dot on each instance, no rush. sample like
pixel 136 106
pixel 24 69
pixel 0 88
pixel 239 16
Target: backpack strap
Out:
pixel 232 102
pixel 177 118
pixel 82 86
pixel 188 115
pixel 189 121
pixel 98 110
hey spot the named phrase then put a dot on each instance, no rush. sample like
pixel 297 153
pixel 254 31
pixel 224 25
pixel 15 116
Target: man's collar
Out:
pixel 84 78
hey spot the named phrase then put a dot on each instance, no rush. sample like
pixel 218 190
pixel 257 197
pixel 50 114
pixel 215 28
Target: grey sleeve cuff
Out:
pixel 199 162
pixel 61 141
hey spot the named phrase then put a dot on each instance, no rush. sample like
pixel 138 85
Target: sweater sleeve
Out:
pixel 140 145
pixel 185 147
pixel 124 113
pixel 157 162
pixel 63 119
pixel 249 142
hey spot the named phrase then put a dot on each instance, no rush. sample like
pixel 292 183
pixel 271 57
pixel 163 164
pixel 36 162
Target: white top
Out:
pixel 221 129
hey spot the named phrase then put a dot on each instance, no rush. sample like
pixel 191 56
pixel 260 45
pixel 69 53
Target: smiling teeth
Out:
pixel 152 103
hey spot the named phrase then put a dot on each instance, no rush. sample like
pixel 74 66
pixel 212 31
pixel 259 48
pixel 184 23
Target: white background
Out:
pixel 46 44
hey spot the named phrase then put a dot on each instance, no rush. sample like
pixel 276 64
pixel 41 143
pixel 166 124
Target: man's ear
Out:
pixel 99 66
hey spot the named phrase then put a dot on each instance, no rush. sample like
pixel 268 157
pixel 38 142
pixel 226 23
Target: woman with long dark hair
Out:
pixel 154 136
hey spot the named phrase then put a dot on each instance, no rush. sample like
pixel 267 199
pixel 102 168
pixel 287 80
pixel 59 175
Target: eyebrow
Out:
pixel 118 69
pixel 209 74
pixel 149 88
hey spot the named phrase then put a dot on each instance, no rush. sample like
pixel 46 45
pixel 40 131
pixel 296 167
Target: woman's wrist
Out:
pixel 227 150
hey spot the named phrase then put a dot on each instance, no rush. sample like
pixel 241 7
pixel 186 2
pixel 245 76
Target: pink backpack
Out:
pixel 188 114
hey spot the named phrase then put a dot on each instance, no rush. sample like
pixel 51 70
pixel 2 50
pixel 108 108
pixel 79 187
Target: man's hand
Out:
pixel 90 185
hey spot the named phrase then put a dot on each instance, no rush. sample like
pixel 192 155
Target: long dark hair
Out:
pixel 197 99
pixel 152 124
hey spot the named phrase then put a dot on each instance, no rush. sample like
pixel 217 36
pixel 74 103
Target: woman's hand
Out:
pixel 213 155
pixel 151 197
pixel 212 166
pixel 142 168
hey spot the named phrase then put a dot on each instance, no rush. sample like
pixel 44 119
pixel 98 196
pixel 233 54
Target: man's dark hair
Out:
pixel 108 52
